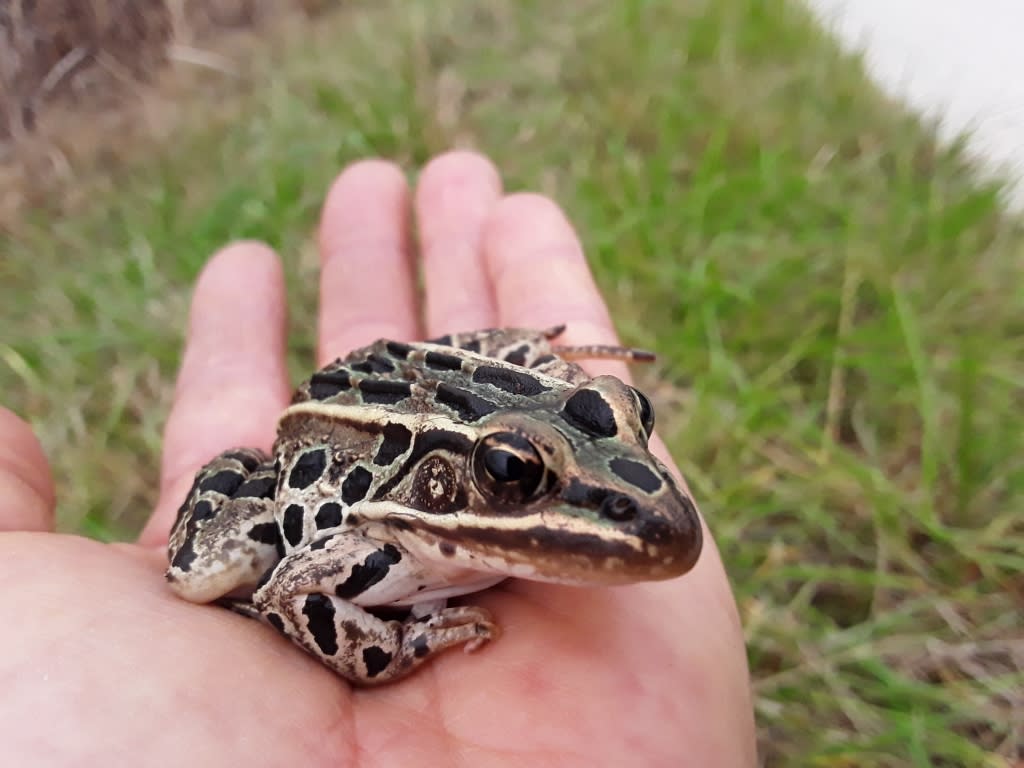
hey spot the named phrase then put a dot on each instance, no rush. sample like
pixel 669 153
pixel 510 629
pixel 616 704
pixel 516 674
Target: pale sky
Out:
pixel 962 60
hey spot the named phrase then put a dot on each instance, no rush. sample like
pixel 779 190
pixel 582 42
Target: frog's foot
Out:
pixel 469 624
pixel 225 537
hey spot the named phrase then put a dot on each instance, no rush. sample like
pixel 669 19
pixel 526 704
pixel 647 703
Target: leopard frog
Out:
pixel 406 474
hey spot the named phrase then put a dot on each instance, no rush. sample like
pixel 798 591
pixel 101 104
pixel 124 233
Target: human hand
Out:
pixel 102 664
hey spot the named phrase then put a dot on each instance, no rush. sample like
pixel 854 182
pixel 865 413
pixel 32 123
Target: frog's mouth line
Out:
pixel 553 553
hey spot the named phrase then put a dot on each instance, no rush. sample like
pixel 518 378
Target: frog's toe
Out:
pixel 468 625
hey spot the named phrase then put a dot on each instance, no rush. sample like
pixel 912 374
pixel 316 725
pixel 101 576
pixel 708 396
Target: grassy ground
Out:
pixel 836 304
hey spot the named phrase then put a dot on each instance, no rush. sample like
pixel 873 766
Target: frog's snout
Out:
pixel 670 533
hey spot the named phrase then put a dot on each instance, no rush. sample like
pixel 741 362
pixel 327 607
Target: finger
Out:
pixel 541 278
pixel 366 281
pixel 456 192
pixel 27 496
pixel 233 382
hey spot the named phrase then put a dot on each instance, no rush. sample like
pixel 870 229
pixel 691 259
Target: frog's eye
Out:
pixel 507 467
pixel 646 411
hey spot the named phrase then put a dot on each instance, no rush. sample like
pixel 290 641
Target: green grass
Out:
pixel 835 301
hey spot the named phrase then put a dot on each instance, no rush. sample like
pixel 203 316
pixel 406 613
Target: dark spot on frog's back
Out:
pixel 373 364
pixel 470 407
pixel 635 473
pixel 518 355
pixel 308 469
pixel 376 660
pixel 244 456
pixel 384 391
pixel 328 383
pixel 441 361
pixel 259 487
pixel 226 481
pixel 513 382
pixel 319 612
pixel 398 349
pixel 587 411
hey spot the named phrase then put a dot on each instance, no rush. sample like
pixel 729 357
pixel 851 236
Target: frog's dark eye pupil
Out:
pixel 504 466
pixel 507 468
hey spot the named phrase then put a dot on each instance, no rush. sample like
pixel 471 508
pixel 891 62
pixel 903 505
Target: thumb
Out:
pixel 26 485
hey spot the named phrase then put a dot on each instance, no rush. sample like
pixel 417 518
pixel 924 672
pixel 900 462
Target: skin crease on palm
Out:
pixel 101 664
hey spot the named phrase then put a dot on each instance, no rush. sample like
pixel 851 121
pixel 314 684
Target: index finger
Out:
pixel 366 277
pixel 233 383
pixel 27 496
pixel 541 277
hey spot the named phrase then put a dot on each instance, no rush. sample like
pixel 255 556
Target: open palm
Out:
pixel 101 664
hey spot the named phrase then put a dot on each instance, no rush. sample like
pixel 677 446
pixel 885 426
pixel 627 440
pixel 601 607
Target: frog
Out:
pixel 409 473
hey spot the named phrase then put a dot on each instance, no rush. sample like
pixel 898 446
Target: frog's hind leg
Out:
pixel 524 346
pixel 518 346
pixel 604 352
pixel 225 536
pixel 312 597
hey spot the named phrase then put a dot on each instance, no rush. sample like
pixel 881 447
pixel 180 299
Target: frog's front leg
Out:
pixel 310 598
pixel 225 536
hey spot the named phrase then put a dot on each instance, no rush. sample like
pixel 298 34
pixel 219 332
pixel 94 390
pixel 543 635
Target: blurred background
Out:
pixel 835 295
pixel 953 61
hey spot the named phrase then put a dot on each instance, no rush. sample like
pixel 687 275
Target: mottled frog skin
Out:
pixel 409 473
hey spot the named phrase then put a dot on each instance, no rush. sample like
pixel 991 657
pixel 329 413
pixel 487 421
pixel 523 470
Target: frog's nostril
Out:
pixel 618 507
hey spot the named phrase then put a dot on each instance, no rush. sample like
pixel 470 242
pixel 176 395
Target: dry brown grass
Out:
pixel 78 76
pixel 82 52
